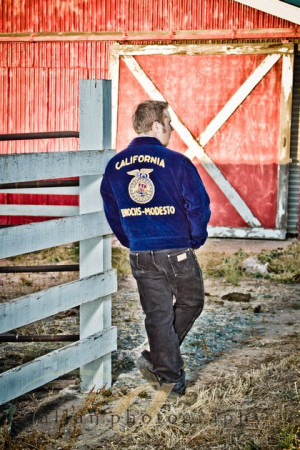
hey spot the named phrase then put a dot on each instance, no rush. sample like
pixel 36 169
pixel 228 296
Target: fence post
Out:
pixel 95 253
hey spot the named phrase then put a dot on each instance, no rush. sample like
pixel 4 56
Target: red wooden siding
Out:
pixel 39 82
pixel 39 88
pixel 131 15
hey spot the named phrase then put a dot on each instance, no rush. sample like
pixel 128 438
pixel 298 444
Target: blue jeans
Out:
pixel 160 275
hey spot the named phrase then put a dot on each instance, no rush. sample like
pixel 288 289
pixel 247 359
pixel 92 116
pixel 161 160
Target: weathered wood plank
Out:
pixel 238 97
pixel 37 236
pixel 95 108
pixel 276 8
pixel 154 36
pixel 195 149
pixel 114 72
pixel 38 210
pixel 27 377
pixel 63 190
pixel 92 352
pixel 285 140
pixel 286 108
pixel 205 49
pixel 246 233
pixel 37 306
pixel 42 166
pixel 90 198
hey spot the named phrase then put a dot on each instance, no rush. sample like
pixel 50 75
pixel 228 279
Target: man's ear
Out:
pixel 155 127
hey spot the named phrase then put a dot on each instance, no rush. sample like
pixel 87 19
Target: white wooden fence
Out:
pixel 97 280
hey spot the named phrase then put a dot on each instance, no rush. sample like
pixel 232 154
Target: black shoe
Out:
pixel 179 387
pixel 146 355
pixel 146 369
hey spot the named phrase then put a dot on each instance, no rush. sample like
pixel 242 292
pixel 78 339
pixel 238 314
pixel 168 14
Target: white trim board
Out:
pixel 61 190
pixel 118 50
pixel 276 8
pixel 38 210
pixel 246 233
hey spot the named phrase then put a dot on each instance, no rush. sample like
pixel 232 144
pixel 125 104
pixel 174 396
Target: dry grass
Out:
pixel 53 255
pixel 283 265
pixel 68 428
pixel 253 410
pixel 120 260
pixel 14 285
pixel 220 265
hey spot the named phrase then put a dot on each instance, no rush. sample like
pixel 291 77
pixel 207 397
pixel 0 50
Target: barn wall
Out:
pixel 18 16
pixel 39 85
pixel 39 81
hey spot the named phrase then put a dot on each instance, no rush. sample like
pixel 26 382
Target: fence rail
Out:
pixel 42 304
pixel 39 166
pixel 45 135
pixel 97 280
pixel 29 376
pixel 59 232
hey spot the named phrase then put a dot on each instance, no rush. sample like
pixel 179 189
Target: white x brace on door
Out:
pixel 196 145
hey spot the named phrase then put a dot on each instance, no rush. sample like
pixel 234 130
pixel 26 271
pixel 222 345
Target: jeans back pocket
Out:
pixel 182 263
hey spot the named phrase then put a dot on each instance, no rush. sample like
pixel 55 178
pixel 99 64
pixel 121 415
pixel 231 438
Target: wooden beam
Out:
pixel 205 49
pixel 37 306
pixel 94 118
pixel 38 210
pixel 114 72
pixel 286 108
pixel 95 132
pixel 153 36
pixel 37 236
pixel 276 8
pixel 29 376
pixel 40 166
pixel 196 149
pixel 64 190
pixel 285 140
pixel 246 233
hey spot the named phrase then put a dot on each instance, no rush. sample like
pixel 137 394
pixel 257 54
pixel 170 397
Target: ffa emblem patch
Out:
pixel 141 189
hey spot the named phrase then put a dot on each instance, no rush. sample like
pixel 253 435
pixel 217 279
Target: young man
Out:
pixel 156 204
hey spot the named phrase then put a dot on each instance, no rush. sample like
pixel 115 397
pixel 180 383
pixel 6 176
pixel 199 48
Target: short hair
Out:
pixel 147 113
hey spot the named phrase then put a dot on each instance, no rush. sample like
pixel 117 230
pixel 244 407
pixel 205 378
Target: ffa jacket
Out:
pixel 154 198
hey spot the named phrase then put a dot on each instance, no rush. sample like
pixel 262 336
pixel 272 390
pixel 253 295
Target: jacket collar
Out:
pixel 144 140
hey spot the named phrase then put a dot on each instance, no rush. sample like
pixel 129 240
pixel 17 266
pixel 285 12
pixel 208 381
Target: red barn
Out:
pixel 230 72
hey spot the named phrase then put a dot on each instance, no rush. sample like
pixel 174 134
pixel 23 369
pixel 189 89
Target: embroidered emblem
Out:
pixel 141 189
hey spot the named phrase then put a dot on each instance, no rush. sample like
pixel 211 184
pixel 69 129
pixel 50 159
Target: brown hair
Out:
pixel 146 114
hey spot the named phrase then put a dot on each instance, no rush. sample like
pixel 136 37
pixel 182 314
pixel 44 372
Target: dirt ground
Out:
pixel 242 360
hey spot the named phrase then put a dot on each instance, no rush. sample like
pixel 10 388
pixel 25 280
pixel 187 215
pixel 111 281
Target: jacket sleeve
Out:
pixel 112 211
pixel 196 203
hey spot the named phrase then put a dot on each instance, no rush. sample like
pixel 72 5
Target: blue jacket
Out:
pixel 154 198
